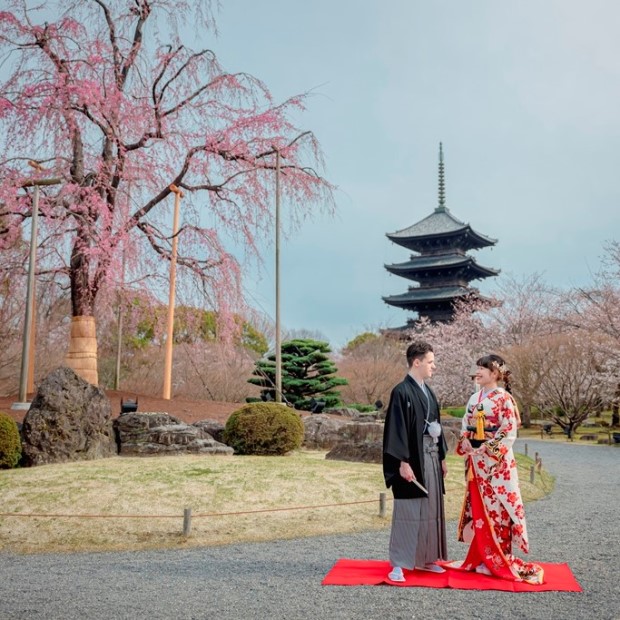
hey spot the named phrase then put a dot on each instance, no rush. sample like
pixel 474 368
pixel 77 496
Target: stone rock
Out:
pixel 363 441
pixel 451 431
pixel 345 412
pixel 354 414
pixel 323 432
pixel 141 434
pixel 69 420
pixel 367 416
pixel 362 431
pixel 213 427
pixel 361 452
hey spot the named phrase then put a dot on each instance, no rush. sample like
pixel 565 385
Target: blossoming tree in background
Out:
pixel 106 96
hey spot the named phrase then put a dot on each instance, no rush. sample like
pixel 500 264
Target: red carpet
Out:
pixel 558 577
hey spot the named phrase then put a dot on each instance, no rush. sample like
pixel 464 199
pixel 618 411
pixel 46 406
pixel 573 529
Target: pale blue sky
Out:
pixel 524 96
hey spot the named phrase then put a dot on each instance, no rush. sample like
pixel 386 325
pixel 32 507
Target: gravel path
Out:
pixel 577 523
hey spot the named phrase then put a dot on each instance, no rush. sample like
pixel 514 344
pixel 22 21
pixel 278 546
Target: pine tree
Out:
pixel 307 374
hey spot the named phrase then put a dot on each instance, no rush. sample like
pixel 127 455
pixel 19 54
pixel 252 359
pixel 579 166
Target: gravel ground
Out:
pixel 577 523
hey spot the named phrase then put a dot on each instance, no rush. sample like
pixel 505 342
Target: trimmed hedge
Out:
pixel 264 429
pixel 10 442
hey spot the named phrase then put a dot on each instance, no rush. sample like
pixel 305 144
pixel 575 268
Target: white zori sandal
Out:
pixel 396 574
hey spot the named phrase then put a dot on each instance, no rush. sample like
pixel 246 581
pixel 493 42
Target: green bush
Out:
pixel 10 442
pixel 264 428
pixel 362 408
pixel 456 412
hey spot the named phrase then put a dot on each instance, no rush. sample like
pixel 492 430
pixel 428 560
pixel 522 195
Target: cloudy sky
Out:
pixel 524 96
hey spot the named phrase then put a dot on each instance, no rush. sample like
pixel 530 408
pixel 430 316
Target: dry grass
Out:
pixel 158 489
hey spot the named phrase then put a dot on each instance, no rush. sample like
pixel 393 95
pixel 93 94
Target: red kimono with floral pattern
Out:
pixel 493 516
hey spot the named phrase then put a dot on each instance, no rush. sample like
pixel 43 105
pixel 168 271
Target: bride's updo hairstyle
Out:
pixel 495 363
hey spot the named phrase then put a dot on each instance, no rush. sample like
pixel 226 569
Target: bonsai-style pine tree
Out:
pixel 307 374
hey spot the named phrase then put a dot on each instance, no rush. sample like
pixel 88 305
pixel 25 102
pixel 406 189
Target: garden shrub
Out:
pixel 265 429
pixel 455 412
pixel 10 442
pixel 362 408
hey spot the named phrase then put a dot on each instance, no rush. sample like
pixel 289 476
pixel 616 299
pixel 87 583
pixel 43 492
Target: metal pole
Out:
pixel 278 341
pixel 173 275
pixel 23 377
pixel 33 335
pixel 119 340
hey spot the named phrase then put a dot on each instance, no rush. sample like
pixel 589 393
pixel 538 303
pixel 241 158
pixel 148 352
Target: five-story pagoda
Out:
pixel 440 265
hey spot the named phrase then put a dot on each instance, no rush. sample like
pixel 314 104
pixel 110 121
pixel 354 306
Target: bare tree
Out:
pixel 576 374
pixel 372 369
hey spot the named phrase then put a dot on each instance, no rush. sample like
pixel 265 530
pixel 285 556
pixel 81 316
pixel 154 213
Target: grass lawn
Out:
pixel 138 503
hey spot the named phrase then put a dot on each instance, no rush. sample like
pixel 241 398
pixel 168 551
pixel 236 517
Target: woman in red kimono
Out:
pixel 493 517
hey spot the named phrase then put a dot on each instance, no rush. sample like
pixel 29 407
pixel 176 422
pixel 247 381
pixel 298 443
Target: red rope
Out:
pixel 194 516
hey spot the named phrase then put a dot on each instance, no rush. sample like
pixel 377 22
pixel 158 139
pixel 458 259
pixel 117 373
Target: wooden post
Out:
pixel 525 449
pixel 532 473
pixel 173 274
pixel 187 521
pixel 382 505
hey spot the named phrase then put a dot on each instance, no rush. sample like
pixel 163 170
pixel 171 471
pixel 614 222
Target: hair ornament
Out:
pixel 501 368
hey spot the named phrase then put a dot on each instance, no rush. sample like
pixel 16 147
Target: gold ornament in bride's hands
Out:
pixel 479 425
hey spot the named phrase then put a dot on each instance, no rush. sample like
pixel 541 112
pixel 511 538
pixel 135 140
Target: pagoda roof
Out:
pixel 425 294
pixel 438 262
pixel 440 224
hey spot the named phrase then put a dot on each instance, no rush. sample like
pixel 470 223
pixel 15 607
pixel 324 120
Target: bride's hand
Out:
pixel 466 446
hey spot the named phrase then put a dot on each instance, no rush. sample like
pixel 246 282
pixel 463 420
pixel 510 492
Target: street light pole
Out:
pixel 278 340
pixel 29 318
pixel 173 274
pixel 119 338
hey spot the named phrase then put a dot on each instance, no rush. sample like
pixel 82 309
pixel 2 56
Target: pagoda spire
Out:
pixel 441 207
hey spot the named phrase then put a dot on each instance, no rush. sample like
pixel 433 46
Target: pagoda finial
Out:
pixel 442 185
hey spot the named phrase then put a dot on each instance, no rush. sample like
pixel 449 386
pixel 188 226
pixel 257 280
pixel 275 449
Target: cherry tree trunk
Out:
pixel 82 354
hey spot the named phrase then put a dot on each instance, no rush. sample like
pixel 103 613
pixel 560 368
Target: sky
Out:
pixel 523 95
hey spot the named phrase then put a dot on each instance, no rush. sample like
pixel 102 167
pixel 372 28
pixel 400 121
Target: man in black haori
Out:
pixel 414 451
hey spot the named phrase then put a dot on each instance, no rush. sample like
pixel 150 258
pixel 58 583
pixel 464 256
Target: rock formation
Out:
pixel 159 433
pixel 69 420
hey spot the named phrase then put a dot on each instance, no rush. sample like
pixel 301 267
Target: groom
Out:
pixel 414 466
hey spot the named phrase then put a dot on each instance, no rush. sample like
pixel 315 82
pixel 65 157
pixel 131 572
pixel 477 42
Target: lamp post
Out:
pixel 32 348
pixel 27 361
pixel 173 272
pixel 26 379
pixel 119 338
pixel 28 331
pixel 278 339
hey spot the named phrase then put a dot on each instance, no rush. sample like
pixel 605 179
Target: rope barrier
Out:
pixel 176 516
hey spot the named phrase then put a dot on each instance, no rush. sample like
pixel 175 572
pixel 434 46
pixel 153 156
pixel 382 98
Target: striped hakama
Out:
pixel 418 525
